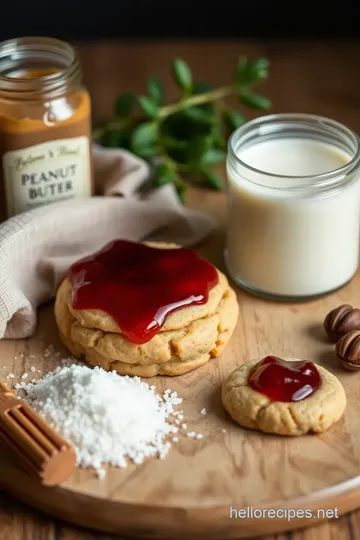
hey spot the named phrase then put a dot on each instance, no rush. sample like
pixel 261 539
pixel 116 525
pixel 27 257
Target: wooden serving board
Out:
pixel 190 493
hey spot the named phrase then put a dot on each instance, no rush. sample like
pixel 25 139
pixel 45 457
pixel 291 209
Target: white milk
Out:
pixel 285 236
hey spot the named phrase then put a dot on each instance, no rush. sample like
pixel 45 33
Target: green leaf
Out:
pixel 197 148
pixel 143 137
pixel 149 107
pixel 163 175
pixel 115 139
pixel 251 72
pixel 181 191
pixel 234 119
pixel 124 104
pixel 199 114
pixel 259 69
pixel 182 74
pixel 218 138
pixel 184 128
pixel 147 152
pixel 155 90
pixel 169 142
pixel 255 101
pixel 213 179
pixel 213 156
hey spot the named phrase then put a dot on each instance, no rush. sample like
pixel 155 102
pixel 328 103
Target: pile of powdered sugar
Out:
pixel 107 418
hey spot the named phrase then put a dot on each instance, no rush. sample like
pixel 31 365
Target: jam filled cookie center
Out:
pixel 139 286
pixel 285 381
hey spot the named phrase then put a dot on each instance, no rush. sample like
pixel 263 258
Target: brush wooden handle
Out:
pixel 37 446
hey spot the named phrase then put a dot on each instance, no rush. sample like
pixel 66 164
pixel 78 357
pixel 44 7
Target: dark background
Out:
pixel 109 19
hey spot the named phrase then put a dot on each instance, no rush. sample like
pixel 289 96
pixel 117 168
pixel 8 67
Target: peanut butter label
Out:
pixel 47 172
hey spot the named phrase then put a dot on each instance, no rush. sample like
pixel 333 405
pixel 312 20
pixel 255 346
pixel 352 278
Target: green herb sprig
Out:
pixel 184 141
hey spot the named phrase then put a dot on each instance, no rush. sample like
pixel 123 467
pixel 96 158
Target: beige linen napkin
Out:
pixel 37 247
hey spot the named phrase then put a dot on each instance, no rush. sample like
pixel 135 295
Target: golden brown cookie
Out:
pixel 188 339
pixel 254 410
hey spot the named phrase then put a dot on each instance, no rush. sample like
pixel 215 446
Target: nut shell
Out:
pixel 348 350
pixel 340 321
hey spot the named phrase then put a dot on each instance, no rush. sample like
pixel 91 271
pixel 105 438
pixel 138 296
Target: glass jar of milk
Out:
pixel 293 206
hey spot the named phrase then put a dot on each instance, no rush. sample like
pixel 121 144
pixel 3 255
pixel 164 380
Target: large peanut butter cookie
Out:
pixel 254 410
pixel 189 337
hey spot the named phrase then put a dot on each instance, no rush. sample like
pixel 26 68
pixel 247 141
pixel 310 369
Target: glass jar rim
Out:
pixel 57 53
pixel 298 119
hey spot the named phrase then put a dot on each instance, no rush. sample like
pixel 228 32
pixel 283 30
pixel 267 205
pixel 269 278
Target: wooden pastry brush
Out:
pixel 41 451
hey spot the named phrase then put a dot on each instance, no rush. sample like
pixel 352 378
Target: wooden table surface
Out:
pixel 316 78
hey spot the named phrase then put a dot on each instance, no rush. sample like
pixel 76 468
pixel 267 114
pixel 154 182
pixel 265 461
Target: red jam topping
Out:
pixel 285 381
pixel 139 286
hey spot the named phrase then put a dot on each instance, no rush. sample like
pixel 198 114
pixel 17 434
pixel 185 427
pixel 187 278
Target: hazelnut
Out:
pixel 348 350
pixel 340 321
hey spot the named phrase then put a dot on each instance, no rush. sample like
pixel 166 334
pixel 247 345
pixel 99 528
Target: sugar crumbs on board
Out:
pixel 108 418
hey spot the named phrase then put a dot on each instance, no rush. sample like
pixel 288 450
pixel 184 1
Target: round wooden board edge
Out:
pixel 172 523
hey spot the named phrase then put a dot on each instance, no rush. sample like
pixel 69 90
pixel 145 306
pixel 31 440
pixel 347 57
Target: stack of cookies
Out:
pixel 189 337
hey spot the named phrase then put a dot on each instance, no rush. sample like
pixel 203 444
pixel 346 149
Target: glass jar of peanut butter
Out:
pixel 45 125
